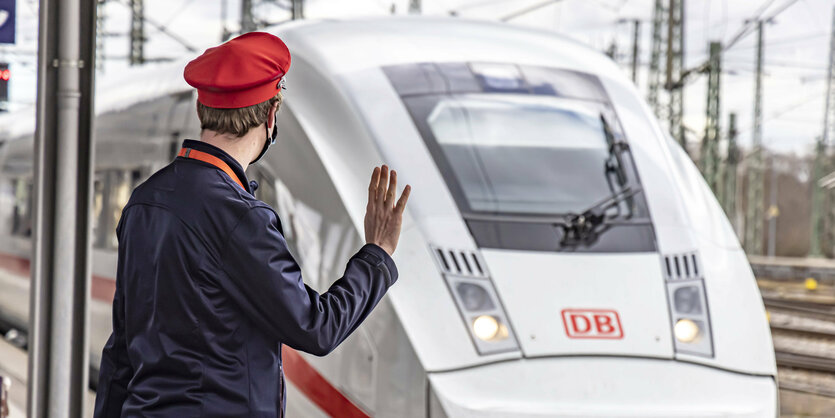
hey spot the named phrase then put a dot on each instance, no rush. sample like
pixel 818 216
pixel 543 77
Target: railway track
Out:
pixel 803 332
pixel 804 361
pixel 807 330
pixel 818 310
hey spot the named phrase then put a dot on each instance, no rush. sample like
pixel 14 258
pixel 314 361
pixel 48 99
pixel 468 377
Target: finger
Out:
pixel 389 202
pixel 372 187
pixel 404 197
pixel 381 187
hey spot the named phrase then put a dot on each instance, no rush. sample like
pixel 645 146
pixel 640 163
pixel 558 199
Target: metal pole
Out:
pixel 675 68
pixel 753 222
pixel 773 211
pixel 730 172
pixel 247 20
pixel 817 223
pixel 298 9
pixel 636 33
pixel 60 291
pixel 224 32
pixel 100 34
pixel 709 158
pixel 137 32
pixel 655 56
pixel 415 7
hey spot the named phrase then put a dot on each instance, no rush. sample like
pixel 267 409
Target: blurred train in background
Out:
pixel 561 255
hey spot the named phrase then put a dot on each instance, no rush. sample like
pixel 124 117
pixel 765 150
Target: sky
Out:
pixel 796 53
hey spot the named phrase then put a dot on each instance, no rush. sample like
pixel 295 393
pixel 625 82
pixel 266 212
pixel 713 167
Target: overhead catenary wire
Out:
pixel 528 10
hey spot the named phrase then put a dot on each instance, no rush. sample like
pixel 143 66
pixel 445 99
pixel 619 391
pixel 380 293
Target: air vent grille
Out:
pixel 460 262
pixel 682 266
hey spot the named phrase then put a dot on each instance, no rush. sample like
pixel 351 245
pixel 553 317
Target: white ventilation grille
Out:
pixel 460 262
pixel 682 266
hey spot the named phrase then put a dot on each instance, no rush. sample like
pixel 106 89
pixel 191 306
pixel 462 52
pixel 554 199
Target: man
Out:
pixel 206 290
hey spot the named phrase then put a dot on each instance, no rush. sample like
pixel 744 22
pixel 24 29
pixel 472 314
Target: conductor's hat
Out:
pixel 242 72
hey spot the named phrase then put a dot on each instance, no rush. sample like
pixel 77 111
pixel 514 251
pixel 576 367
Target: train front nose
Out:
pixel 585 386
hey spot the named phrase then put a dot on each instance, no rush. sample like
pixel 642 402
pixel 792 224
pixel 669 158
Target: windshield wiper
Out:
pixel 586 227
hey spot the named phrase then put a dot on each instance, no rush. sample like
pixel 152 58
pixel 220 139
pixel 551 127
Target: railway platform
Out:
pixel 793 268
pixel 13 365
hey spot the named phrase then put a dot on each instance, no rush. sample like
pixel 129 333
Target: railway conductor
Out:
pixel 206 290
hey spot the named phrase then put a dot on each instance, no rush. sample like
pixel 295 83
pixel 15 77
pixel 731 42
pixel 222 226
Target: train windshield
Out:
pixel 523 154
pixel 525 151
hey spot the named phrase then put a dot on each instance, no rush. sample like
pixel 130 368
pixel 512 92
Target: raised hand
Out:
pixel 383 217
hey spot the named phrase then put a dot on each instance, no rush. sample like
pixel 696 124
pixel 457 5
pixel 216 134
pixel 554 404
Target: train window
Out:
pixel 22 208
pixel 112 191
pixel 564 83
pixel 530 150
pixel 266 186
pixel 518 154
pixel 99 236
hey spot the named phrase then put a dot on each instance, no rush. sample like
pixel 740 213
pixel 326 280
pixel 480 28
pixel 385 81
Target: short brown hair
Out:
pixel 235 121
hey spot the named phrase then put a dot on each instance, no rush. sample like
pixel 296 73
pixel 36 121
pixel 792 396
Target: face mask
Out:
pixel 269 140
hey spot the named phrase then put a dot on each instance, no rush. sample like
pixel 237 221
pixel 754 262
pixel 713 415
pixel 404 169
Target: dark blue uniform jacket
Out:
pixel 206 294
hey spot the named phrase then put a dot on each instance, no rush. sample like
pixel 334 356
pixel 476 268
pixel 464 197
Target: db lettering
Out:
pixel 592 323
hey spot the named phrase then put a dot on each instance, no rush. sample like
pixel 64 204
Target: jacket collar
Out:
pixel 219 153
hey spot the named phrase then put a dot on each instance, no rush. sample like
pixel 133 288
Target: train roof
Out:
pixel 344 46
pixel 114 91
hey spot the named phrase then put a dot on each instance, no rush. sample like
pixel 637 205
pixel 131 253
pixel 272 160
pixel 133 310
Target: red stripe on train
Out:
pixel 316 387
pixel 296 368
pixel 101 288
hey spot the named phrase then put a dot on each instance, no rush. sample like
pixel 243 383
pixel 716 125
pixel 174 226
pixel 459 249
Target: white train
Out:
pixel 561 255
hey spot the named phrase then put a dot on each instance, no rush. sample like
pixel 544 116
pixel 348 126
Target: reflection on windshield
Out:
pixel 523 154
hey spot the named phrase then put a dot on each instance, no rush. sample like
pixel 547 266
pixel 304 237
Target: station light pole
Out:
pixel 655 57
pixel 754 220
pixel 60 286
pixel 732 159
pixel 821 149
pixel 675 70
pixel 636 34
pixel 137 32
pixel 709 158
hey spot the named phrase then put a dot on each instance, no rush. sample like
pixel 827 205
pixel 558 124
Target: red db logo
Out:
pixel 592 323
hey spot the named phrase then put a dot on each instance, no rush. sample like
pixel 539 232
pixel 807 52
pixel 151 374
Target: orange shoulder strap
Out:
pixel 211 159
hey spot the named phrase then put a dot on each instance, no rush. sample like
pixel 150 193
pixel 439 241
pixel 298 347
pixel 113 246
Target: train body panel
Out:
pixel 566 284
pixel 500 306
pixel 602 387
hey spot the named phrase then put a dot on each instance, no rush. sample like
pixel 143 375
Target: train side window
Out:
pixel 112 192
pixel 99 237
pixel 22 209
pixel 296 220
pixel 266 187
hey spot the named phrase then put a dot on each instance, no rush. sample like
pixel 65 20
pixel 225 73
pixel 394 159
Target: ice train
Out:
pixel 560 256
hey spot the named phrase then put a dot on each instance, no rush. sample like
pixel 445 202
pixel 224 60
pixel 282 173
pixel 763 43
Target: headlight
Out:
pixel 689 308
pixel 688 300
pixel 488 328
pixel 474 297
pixel 687 331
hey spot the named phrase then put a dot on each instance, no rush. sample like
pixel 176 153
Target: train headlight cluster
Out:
pixel 472 290
pixel 688 308
pixel 479 305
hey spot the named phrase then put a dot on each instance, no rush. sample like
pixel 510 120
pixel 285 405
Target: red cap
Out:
pixel 242 72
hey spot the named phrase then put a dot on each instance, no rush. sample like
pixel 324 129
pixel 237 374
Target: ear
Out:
pixel 197 109
pixel 271 116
